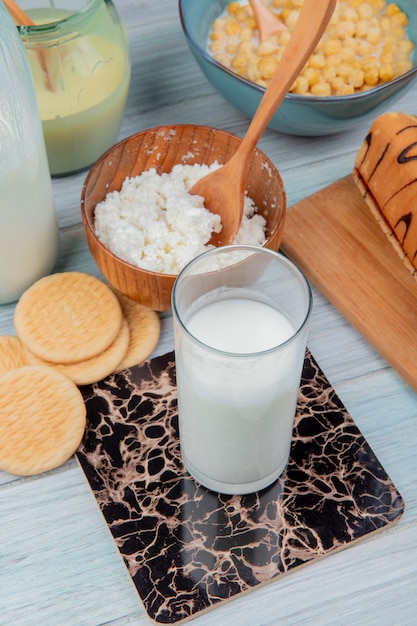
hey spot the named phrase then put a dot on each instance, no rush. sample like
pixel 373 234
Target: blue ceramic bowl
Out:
pixel 297 115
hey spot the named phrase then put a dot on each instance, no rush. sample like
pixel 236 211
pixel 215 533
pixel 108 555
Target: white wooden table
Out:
pixel 58 563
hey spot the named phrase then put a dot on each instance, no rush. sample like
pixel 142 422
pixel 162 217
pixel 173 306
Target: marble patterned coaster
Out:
pixel 186 548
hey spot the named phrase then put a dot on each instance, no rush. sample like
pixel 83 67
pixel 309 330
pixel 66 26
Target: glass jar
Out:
pixel 28 229
pixel 79 56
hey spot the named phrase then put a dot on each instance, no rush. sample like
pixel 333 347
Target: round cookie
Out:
pixel 144 330
pixel 42 419
pixel 94 369
pixel 11 353
pixel 68 317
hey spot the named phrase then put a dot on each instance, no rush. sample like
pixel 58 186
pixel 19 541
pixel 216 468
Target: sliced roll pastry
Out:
pixel 385 171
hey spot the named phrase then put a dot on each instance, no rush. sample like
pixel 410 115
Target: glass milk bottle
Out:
pixel 28 229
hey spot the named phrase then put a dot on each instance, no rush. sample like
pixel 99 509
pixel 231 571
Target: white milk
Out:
pixel 236 412
pixel 28 230
pixel 240 325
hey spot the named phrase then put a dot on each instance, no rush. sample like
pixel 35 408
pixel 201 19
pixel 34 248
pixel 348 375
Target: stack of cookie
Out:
pixel 72 330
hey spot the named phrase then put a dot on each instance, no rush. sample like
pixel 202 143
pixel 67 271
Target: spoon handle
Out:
pixel 311 23
pixel 21 18
pixel 18 15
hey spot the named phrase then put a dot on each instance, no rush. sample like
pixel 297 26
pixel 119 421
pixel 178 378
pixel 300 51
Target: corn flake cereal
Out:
pixel 365 44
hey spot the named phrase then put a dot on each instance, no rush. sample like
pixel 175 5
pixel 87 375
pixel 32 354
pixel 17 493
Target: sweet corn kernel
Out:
pixel 268 46
pixel 246 34
pixel 300 86
pixel 292 19
pixel 345 29
pixel 245 47
pixel 321 89
pixel 312 75
pixel 364 48
pixel 233 7
pixel 231 28
pixel 283 38
pixel 345 90
pixel 349 13
pixel 392 9
pixel 374 35
pixel 334 60
pixel 365 11
pixel 343 70
pixel 371 76
pixel 250 22
pixel 317 61
pixel 356 78
pixel 386 57
pixel 386 72
pixel 267 67
pixel 379 5
pixel 337 84
pixel 332 46
pixel 385 24
pixel 284 14
pixel 361 28
pixel 329 74
pixel 231 48
pixel 253 72
pixel 406 46
pixel 348 55
pixel 239 63
pixel 399 19
pixel 402 66
pixel 242 14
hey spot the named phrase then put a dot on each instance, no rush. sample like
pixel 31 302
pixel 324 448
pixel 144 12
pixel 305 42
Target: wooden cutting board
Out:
pixel 334 239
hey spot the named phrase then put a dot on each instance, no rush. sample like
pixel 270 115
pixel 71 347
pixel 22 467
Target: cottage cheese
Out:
pixel 155 224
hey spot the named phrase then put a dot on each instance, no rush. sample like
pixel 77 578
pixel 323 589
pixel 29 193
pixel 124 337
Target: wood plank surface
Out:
pixel 333 237
pixel 59 563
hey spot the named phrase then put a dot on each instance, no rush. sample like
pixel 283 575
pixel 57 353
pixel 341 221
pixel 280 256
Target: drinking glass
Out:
pixel 241 318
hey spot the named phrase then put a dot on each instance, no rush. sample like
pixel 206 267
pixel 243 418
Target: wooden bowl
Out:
pixel 162 148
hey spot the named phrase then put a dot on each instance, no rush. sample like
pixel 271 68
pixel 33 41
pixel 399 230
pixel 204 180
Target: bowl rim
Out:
pixel 88 220
pixel 292 97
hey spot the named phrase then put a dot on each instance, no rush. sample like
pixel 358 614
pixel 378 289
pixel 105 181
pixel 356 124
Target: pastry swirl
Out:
pixel 385 171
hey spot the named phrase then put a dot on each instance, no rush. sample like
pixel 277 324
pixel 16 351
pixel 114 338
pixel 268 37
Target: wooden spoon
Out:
pixel 224 189
pixel 22 19
pixel 267 22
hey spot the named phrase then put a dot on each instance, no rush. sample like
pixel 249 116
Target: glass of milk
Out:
pixel 78 52
pixel 241 317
